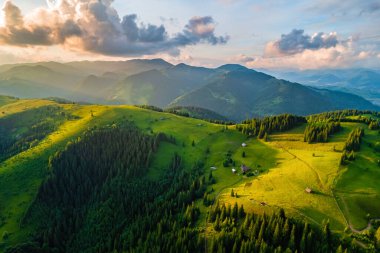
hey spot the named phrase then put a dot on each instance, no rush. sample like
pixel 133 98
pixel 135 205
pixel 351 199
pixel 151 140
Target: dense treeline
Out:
pixel 192 112
pixel 341 115
pixel 178 112
pixel 320 131
pixel 354 140
pixel 23 130
pixel 150 107
pixel 199 113
pixel 372 119
pixel 239 232
pixel 352 145
pixel 268 125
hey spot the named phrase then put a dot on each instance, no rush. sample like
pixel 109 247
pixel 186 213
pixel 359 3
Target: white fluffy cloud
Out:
pixel 95 26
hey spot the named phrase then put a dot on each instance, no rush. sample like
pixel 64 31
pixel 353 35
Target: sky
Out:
pixel 267 34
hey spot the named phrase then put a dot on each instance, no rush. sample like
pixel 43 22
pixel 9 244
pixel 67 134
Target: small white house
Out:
pixel 234 170
pixel 243 145
pixel 213 168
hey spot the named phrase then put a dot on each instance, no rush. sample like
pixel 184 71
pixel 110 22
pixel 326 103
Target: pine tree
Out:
pixel 327 235
pixel 260 237
pixel 277 235
pixel 292 239
pixel 241 212
pixel 339 249
pixel 235 248
pixel 235 211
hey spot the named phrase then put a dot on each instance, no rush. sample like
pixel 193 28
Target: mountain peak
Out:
pixel 181 65
pixel 157 61
pixel 232 67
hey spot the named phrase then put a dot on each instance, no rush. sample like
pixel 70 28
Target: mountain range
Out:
pixel 360 81
pixel 232 91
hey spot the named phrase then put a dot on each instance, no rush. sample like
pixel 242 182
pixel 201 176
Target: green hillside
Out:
pixel 189 163
pixel 6 100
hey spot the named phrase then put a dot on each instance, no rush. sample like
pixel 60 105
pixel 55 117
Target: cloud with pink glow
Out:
pixel 95 26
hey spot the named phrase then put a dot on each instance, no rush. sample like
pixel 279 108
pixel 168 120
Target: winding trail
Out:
pixel 317 176
pixel 320 184
pixel 358 231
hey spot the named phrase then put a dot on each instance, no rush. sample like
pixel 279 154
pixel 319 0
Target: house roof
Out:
pixel 245 168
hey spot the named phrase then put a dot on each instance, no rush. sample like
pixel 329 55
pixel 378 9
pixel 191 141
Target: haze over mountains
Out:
pixel 233 91
pixel 360 81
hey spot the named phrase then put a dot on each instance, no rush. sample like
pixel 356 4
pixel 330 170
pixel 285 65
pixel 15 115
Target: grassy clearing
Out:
pixel 293 166
pixel 22 105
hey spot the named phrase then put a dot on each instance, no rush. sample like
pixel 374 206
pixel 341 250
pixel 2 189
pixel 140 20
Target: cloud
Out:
pixel 95 26
pixel 242 58
pixel 298 50
pixel 297 41
pixel 199 29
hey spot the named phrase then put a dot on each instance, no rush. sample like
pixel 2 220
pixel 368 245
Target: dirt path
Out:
pixel 358 231
pixel 319 180
pixel 320 184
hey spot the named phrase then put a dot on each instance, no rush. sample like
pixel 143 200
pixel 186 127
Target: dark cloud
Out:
pixel 97 27
pixel 149 33
pixel 297 41
pixel 202 29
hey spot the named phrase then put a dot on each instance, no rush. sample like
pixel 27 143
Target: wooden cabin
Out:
pixel 308 190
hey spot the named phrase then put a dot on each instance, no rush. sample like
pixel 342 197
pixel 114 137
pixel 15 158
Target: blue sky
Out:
pixel 253 29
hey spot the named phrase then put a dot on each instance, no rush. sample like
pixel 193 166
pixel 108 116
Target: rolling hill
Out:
pixel 95 140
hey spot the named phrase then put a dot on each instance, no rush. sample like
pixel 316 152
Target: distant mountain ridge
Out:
pixel 232 91
pixel 359 81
